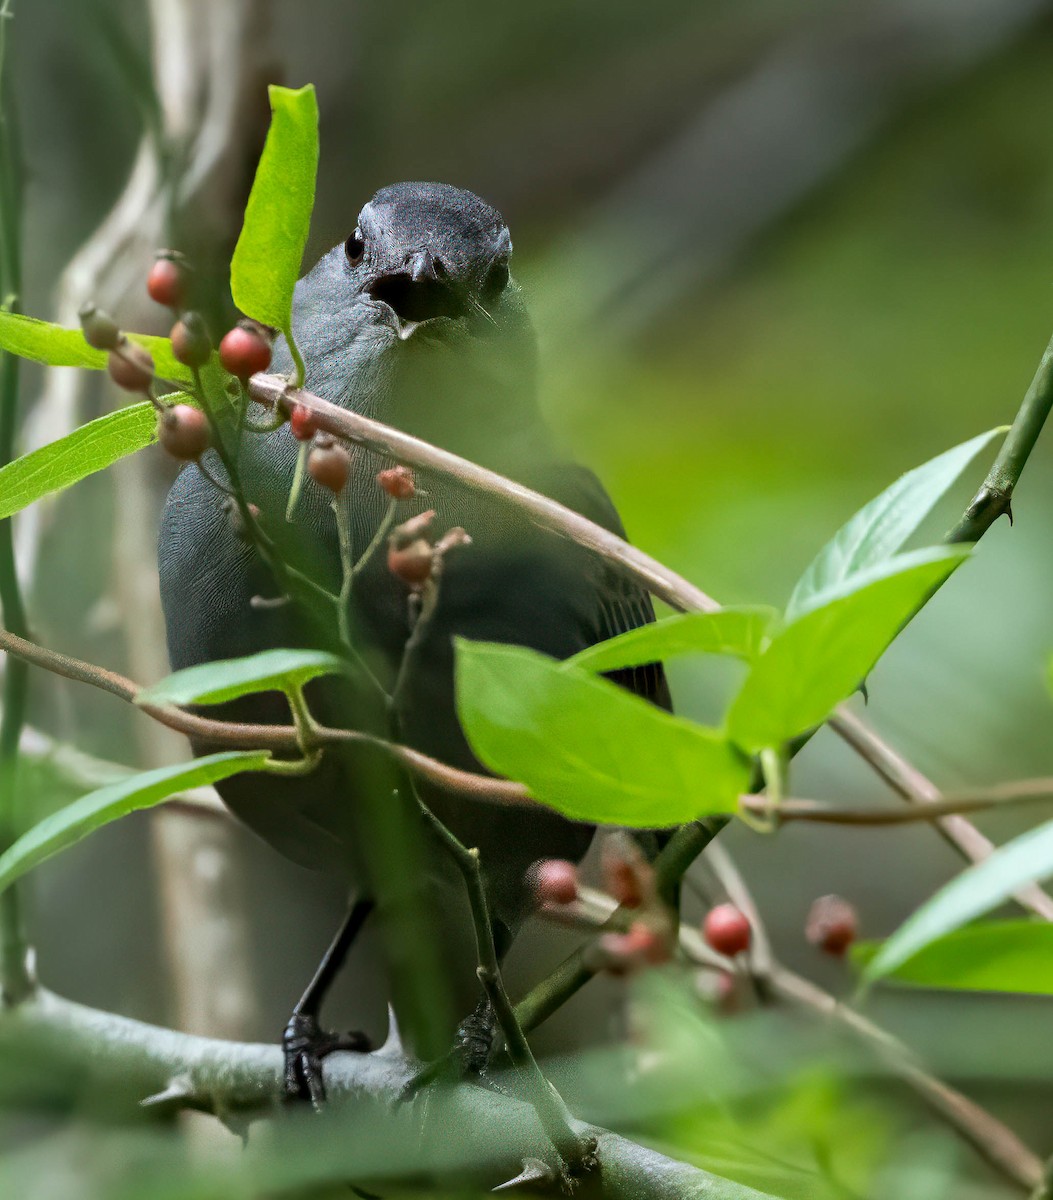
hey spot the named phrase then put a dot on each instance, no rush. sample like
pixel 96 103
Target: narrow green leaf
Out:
pixel 994 956
pixel 881 527
pixel 57 346
pixel 66 461
pixel 738 632
pixel 269 252
pixel 43 342
pixel 817 660
pixel 74 822
pixel 587 747
pixel 1025 860
pixel 217 682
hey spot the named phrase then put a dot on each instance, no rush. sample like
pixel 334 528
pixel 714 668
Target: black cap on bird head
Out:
pixel 427 251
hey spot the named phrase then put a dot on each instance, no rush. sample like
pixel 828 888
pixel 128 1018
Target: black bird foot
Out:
pixel 304 1046
pixel 469 1056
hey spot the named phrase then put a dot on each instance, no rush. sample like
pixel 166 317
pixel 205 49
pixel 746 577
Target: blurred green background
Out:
pixel 777 255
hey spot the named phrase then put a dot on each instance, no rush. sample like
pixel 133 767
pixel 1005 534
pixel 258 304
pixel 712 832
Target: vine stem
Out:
pixel 16 981
pixel 547 1102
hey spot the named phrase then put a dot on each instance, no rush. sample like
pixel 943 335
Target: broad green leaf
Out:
pixel 57 346
pixel 217 682
pixel 817 660
pixel 86 450
pixel 995 956
pixel 734 631
pixel 74 822
pixel 881 527
pixel 267 258
pixel 1025 860
pixel 588 748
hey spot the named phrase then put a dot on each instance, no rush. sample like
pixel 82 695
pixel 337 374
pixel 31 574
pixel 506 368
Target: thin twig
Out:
pixel 1022 791
pixel 919 790
pixel 236 735
pixel 272 390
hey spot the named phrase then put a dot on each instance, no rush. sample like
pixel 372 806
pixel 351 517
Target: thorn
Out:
pixel 178 1090
pixel 1009 511
pixel 534 1171
pixel 864 692
pixel 392 1046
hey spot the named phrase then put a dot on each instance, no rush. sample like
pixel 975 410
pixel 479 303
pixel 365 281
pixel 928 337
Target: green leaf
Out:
pixel 217 682
pixel 86 450
pixel 881 527
pixel 57 346
pixel 74 822
pixel 53 345
pixel 1025 860
pixel 267 258
pixel 818 659
pixel 738 632
pixel 588 748
pixel 995 956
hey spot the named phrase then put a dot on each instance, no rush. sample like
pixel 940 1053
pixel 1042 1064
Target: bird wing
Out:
pixel 621 604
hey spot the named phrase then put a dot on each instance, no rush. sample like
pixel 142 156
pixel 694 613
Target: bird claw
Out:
pixel 469 1056
pixel 304 1046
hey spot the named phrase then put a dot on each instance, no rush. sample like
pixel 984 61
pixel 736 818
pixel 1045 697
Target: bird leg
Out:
pixel 304 1043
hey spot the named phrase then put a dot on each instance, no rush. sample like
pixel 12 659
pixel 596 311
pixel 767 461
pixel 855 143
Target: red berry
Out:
pixel 99 328
pixel 301 422
pixel 184 432
pixel 831 925
pixel 329 464
pixel 556 881
pixel 244 351
pixel 412 562
pixel 191 344
pixel 726 930
pixel 130 366
pixel 397 482
pixel 166 283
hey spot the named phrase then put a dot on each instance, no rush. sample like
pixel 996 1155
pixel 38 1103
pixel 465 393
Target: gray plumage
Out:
pixel 414 321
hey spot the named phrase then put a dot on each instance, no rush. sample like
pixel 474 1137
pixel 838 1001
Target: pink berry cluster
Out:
pixel 649 937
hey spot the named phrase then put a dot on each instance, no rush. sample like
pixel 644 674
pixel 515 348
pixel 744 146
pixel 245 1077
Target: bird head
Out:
pixel 414 319
pixel 429 253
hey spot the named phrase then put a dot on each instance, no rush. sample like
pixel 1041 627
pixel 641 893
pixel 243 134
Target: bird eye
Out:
pixel 355 248
pixel 496 279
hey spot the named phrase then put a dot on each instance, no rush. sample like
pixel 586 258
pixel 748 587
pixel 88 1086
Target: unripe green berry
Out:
pixel 99 328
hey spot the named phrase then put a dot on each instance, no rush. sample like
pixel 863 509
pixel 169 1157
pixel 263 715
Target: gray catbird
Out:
pixel 416 321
